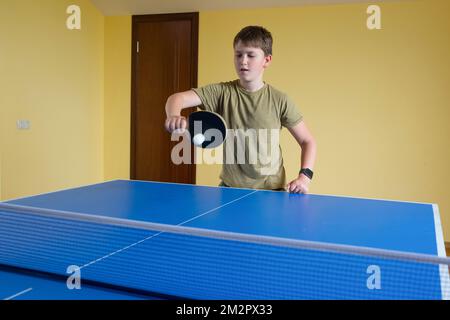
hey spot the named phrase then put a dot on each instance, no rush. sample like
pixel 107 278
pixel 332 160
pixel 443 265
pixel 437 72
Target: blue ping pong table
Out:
pixel 149 240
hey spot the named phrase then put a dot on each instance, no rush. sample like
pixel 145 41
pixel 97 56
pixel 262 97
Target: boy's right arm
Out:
pixel 177 102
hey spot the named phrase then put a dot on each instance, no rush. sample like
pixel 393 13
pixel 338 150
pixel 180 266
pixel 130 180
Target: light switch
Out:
pixel 23 124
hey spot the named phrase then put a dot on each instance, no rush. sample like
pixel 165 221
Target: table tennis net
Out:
pixel 194 263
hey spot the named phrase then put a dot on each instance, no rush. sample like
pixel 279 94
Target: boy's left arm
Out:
pixel 307 143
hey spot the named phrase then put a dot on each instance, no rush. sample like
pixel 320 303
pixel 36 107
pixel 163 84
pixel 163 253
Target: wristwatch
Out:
pixel 307 172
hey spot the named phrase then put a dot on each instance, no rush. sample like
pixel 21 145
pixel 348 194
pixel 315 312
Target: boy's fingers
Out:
pixel 168 125
pixel 183 123
pixel 292 188
pixel 172 125
pixel 179 121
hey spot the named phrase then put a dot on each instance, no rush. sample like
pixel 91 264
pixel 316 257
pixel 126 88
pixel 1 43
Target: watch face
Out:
pixel 307 172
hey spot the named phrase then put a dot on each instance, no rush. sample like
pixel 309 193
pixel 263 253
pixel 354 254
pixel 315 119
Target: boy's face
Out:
pixel 250 62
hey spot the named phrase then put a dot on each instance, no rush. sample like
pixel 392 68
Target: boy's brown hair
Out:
pixel 255 36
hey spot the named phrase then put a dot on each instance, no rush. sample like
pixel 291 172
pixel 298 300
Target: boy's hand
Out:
pixel 299 185
pixel 175 122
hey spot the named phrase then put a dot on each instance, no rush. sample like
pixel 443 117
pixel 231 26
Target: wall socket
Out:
pixel 23 124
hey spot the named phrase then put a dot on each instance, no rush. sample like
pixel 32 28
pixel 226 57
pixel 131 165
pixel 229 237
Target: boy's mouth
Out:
pixel 244 70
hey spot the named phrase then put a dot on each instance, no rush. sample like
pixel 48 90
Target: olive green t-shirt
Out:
pixel 251 154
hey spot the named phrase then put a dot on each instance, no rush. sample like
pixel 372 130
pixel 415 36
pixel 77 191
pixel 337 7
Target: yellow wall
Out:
pixel 376 101
pixel 117 97
pixel 54 78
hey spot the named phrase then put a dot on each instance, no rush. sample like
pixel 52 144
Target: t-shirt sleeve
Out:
pixel 211 96
pixel 290 114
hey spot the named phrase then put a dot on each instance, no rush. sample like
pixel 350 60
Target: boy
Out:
pixel 251 104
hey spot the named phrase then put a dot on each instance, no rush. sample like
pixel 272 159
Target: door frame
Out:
pixel 194 18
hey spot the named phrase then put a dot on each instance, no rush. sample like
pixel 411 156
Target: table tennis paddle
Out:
pixel 207 129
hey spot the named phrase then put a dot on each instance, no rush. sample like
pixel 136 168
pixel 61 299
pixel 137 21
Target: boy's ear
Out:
pixel 268 60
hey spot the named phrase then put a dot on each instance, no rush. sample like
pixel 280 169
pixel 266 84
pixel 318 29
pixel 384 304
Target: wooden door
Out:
pixel 164 61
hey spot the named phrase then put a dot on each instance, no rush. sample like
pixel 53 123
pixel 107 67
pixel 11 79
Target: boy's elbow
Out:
pixel 309 143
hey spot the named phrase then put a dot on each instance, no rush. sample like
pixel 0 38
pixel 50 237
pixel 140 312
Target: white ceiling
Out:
pixel 132 7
